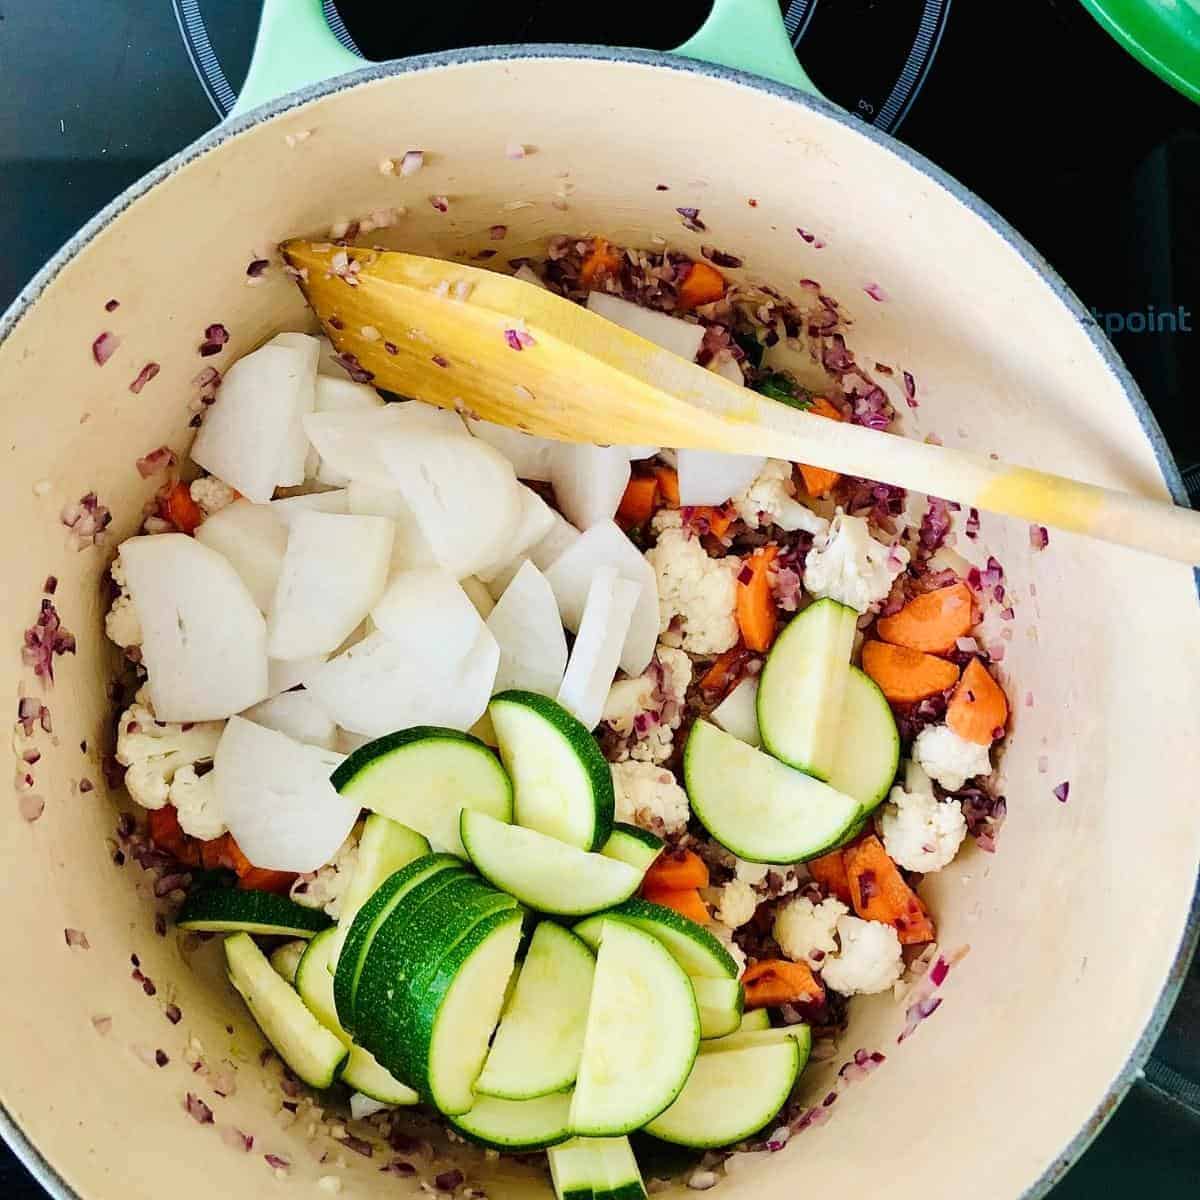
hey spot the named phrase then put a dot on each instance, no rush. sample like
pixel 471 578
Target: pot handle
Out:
pixel 750 36
pixel 294 47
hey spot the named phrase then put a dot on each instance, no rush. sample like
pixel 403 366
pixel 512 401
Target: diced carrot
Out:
pixel 217 853
pixel 668 485
pixel 180 509
pixel 259 879
pixel 817 480
pixel 725 670
pixel 241 864
pixel 676 869
pixel 756 614
pixel 719 519
pixel 830 872
pixel 905 676
pixel 932 622
pixel 639 501
pixel 602 260
pixel 167 834
pixel 773 981
pixel 978 710
pixel 878 892
pixel 703 285
pixel 685 901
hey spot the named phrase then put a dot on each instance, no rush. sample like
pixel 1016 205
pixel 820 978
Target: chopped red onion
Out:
pixel 85 786
pixel 1062 791
pixel 875 292
pixel 440 203
pixel 276 1163
pixel 1039 537
pixel 447 1181
pixel 440 361
pixel 691 219
pixel 104 347
pixel 112 306
pixel 198 1110
pixel 236 1139
pixel 349 362
pixel 76 939
pixel 215 338
pixel 156 462
pixel 400 1168
pixel 143 377
pixel 518 339
pixel 412 162
pixel 51 585
pixel 391 347
pixel 160 1058
pixel 31 756
pixel 498 232
pixel 812 239
pixel 357 1144
pixel 720 258
pixel 45 638
pixel 918 1012
pixel 30 807
pixel 257 267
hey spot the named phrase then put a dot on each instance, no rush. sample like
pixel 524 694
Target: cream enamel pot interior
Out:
pixel 1079 927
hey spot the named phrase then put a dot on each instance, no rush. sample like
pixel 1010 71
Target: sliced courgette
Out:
pixel 562 785
pixel 385 847
pixel 749 1039
pixel 730 1095
pixel 621 1179
pixel 803 685
pixel 629 844
pixel 541 871
pixel 754 1021
pixel 537 1048
pixel 286 958
pixel 691 945
pixel 868 750
pixel 423 778
pixel 643 1032
pixel 232 910
pixel 309 1049
pixel 575 1170
pixel 367 923
pixel 517 1124
pixel 761 809
pixel 720 1003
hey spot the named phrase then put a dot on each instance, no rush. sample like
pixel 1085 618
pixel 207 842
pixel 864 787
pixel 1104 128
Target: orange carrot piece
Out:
pixel 817 480
pixel 756 615
pixel 932 622
pixel 905 676
pixel 830 872
pixel 719 519
pixel 259 879
pixel 668 484
pixel 639 502
pixel 978 710
pixel 217 854
pixel 703 285
pixel 167 834
pixel 878 892
pixel 773 981
pixel 720 676
pixel 602 260
pixel 180 509
pixel 685 901
pixel 684 869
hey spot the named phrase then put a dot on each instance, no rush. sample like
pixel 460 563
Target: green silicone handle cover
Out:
pixel 294 47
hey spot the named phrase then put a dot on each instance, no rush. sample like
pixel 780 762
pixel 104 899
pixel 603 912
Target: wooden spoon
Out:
pixel 499 348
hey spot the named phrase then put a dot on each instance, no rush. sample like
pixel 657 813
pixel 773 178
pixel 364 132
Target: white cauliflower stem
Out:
pixel 122 623
pixel 649 797
pixel 700 591
pixel 197 803
pixel 805 931
pixel 326 887
pixel 950 759
pixel 647 710
pixel 920 832
pixel 771 500
pixel 848 565
pixel 154 752
pixel 869 960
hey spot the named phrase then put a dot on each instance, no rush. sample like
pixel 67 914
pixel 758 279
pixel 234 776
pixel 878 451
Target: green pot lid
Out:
pixel 1163 35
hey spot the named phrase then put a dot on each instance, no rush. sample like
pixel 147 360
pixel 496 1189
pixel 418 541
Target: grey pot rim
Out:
pixel 30 1155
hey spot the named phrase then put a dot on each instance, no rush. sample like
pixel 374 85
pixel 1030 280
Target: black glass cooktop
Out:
pixel 1027 102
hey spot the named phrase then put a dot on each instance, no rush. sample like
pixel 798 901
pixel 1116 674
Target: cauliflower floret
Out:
pixel 736 904
pixel 848 565
pixel 724 935
pixel 649 797
pixel 869 960
pixel 700 591
pixel 211 493
pixel 122 623
pixel 950 759
pixel 153 751
pixel 751 872
pixel 286 958
pixel 920 832
pixel 771 500
pixel 805 931
pixel 647 710
pixel 326 887
pixel 197 803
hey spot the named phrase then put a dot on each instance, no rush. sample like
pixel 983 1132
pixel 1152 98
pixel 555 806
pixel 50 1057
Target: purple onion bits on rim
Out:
pixel 215 338
pixel 104 347
pixel 1062 791
pixel 76 939
pixel 447 1181
pixel 143 377
pixel 691 219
